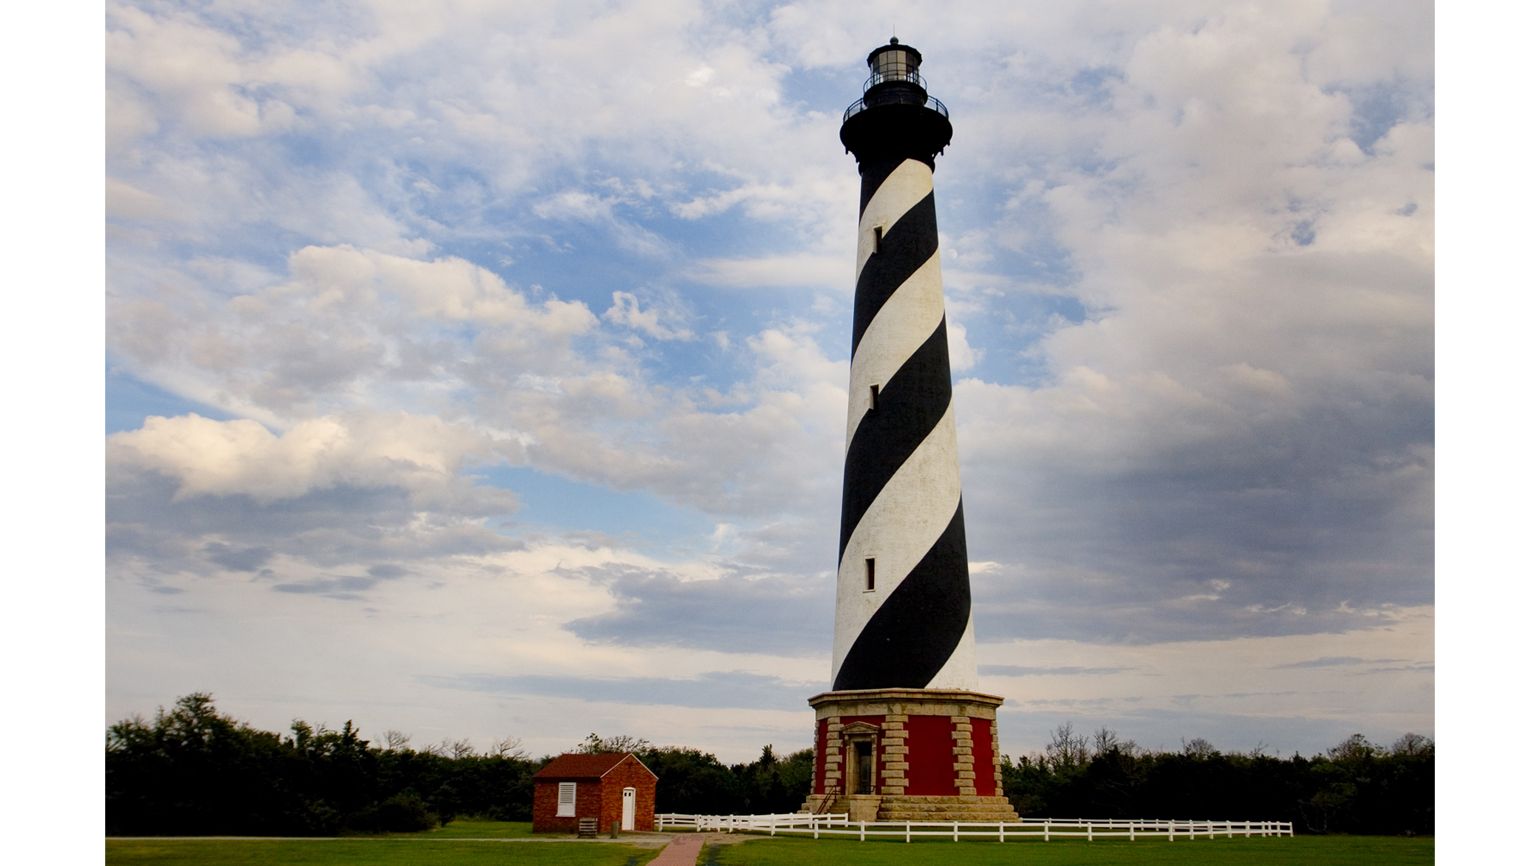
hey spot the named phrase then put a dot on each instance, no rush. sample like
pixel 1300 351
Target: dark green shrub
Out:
pixel 405 812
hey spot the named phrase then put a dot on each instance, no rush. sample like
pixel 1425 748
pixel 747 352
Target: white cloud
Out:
pixel 963 355
pixel 574 204
pixel 348 327
pixel 126 201
pixel 775 271
pixel 241 457
pixel 198 71
pixel 1246 678
pixel 627 310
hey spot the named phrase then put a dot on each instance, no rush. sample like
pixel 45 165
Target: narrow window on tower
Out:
pixel 874 398
pixel 876 239
pixel 871 574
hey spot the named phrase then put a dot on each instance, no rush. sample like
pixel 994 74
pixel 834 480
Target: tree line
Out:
pixel 1356 787
pixel 195 771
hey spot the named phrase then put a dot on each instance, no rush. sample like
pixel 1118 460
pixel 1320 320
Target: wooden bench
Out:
pixel 588 828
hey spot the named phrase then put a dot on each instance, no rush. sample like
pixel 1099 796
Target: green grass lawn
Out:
pixel 1304 850
pixel 421 849
pixel 477 828
pixel 452 846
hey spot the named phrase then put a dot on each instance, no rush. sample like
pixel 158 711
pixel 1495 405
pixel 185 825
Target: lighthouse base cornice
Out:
pixel 867 701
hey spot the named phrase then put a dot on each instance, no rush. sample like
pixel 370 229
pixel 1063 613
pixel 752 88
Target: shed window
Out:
pixel 566 799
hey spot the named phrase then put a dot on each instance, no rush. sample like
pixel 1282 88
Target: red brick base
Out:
pixel 925 742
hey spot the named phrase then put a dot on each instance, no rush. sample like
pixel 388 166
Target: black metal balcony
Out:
pixel 895 96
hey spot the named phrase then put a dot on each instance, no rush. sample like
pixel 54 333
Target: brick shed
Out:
pixel 610 786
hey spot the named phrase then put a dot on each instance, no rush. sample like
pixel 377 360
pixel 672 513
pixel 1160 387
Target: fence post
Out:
pixel 1002 831
pixel 1171 830
pixel 863 831
pixel 906 832
pixel 1090 831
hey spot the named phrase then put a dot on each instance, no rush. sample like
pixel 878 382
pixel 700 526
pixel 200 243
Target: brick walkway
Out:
pixel 681 851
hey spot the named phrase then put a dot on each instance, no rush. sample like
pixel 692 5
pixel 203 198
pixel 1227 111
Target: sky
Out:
pixel 477 370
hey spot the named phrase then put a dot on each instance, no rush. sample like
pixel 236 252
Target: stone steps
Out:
pixel 906 808
pixel 901 808
pixel 964 808
pixel 941 800
pixel 967 816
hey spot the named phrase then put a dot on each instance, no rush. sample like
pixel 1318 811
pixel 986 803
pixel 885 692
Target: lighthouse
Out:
pixel 903 733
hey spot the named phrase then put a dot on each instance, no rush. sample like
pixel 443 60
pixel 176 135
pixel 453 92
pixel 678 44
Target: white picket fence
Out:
pixel 1046 829
pixel 785 822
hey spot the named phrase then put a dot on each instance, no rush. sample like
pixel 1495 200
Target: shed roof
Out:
pixel 586 765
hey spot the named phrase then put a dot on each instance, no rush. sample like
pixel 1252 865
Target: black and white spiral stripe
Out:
pixel 903 495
